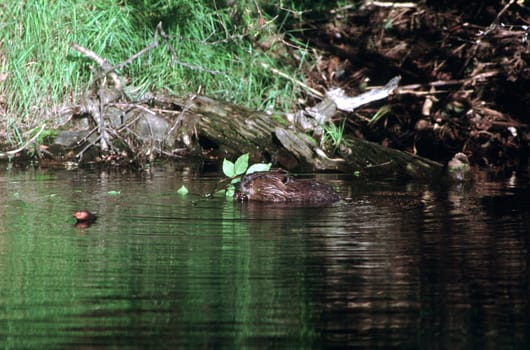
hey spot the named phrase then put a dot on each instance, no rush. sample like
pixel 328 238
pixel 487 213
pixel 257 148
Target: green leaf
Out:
pixel 254 168
pixel 113 193
pixel 230 190
pixel 241 164
pixel 228 168
pixel 381 112
pixel 182 190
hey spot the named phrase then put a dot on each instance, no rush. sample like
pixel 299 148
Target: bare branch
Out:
pixel 103 63
pixel 24 146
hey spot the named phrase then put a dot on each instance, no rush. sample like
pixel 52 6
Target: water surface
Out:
pixel 401 265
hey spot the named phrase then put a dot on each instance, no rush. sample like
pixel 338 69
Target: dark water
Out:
pixel 401 265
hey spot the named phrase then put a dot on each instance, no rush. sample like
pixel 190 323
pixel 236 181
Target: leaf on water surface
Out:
pixel 182 190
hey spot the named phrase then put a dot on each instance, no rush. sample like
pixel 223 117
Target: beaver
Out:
pixel 277 186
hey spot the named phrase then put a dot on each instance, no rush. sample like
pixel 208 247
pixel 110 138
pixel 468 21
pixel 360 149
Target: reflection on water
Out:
pixel 395 265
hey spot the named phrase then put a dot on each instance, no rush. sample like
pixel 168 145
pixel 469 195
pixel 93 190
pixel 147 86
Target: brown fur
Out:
pixel 276 186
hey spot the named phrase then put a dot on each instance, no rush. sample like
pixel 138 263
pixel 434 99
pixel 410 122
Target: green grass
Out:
pixel 217 45
pixel 333 136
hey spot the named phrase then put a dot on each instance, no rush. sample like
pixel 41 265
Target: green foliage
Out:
pixel 381 112
pixel 215 46
pixel 47 136
pixel 333 135
pixel 238 168
pixel 230 191
pixel 234 170
pixel 254 168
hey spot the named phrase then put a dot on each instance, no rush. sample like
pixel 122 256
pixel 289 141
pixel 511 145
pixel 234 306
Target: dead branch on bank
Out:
pixel 12 153
pixel 96 106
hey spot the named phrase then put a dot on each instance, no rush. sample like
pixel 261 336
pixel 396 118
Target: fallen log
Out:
pixel 271 137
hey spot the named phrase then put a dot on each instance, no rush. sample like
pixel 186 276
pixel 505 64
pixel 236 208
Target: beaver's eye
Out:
pixel 285 180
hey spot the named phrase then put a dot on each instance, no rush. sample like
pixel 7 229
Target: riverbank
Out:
pixel 463 67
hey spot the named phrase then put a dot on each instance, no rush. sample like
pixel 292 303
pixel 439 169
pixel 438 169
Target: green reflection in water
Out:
pixel 153 270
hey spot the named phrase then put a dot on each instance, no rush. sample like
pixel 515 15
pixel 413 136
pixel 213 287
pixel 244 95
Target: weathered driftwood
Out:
pixel 236 130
